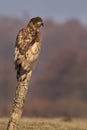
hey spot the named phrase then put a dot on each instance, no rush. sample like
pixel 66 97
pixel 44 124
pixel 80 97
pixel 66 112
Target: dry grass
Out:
pixel 47 124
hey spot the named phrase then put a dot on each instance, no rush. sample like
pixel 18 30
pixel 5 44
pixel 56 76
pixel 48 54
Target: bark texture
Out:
pixel 19 102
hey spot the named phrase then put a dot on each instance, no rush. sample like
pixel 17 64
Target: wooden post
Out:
pixel 19 102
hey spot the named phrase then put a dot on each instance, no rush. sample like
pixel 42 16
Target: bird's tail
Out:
pixel 21 73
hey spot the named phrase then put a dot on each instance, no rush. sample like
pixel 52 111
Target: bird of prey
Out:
pixel 27 47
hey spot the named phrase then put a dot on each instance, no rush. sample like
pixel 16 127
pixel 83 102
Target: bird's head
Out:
pixel 36 23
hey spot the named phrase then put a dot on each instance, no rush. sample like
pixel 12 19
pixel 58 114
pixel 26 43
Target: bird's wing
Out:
pixel 25 40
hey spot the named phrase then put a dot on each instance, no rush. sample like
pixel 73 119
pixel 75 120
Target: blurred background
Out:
pixel 59 82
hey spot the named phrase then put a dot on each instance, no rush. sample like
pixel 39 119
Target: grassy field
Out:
pixel 47 124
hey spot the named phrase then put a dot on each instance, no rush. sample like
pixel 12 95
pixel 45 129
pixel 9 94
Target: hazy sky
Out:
pixel 56 9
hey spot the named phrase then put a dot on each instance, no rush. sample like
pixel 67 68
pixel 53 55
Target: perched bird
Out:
pixel 27 47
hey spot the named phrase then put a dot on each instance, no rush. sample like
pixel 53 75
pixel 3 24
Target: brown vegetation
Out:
pixel 59 85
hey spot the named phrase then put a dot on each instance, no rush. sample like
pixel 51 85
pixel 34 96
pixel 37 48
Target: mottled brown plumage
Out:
pixel 27 39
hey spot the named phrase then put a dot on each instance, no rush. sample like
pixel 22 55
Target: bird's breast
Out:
pixel 33 53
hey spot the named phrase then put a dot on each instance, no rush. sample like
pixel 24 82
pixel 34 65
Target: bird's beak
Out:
pixel 42 24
